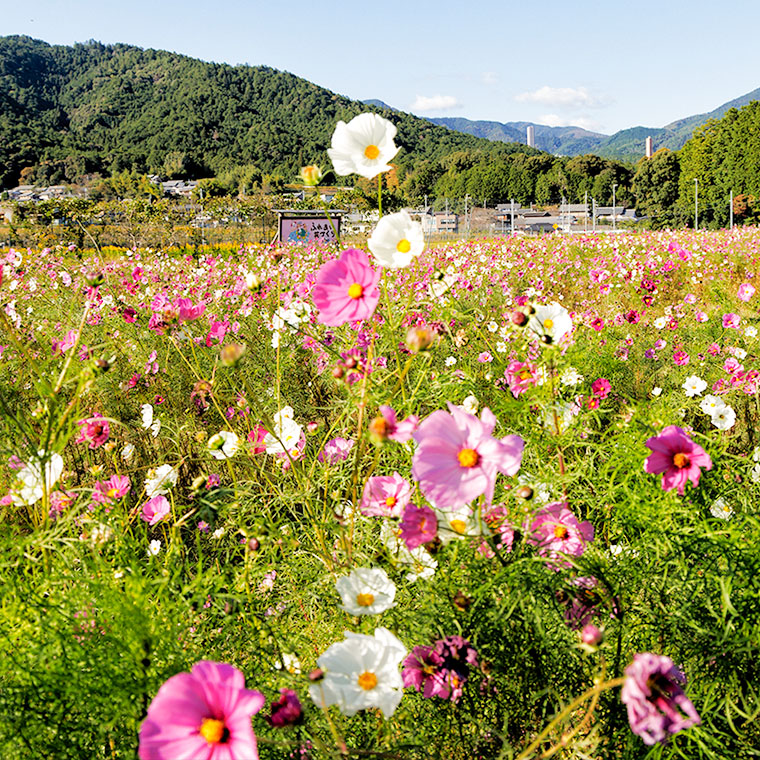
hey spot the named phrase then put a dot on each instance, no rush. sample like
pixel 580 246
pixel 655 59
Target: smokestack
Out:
pixel 531 137
pixel 649 147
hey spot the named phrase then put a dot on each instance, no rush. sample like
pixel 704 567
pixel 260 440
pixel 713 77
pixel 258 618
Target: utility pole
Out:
pixel 466 219
pixel 593 215
pixel 512 217
pixel 696 204
pixel 585 212
pixel 614 185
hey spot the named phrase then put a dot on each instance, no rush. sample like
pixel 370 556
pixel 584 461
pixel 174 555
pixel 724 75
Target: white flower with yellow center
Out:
pixel 723 418
pixel 223 445
pixel 366 591
pixel 361 673
pixel 160 480
pixel 550 322
pixel 363 146
pixel 694 385
pixel 28 487
pixel 710 404
pixel 286 434
pixel 396 241
pixel 457 523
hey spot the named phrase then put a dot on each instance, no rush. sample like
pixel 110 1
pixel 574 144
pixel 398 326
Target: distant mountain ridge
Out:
pixel 625 145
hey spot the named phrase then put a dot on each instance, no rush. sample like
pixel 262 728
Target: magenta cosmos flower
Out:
pixel 419 526
pixel 678 457
pixel 204 714
pixel 346 289
pixel 653 694
pixel 385 496
pixel 555 530
pixel 93 430
pixel 457 457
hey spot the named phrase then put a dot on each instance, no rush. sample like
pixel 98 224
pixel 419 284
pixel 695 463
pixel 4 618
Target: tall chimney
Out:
pixel 649 147
pixel 531 137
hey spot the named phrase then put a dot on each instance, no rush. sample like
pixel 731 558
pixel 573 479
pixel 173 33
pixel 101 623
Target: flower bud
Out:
pixel 519 318
pixel 311 175
pixel 94 279
pixel 231 353
pixel 524 492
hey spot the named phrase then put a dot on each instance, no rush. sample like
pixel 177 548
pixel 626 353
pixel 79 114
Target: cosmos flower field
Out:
pixel 492 499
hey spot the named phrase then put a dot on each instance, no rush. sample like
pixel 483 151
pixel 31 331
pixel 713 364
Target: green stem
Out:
pixel 380 196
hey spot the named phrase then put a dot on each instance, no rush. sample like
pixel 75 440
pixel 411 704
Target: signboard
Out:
pixel 308 229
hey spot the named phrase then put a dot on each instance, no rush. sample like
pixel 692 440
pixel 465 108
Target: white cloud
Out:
pixel 489 77
pixel 434 103
pixel 564 97
pixel 555 120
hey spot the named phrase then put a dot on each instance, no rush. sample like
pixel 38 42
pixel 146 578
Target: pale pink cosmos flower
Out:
pixel 731 320
pixel 520 376
pixel 202 714
pixel 676 456
pixel 457 457
pixel 154 510
pixel 388 426
pixel 346 289
pixel 555 530
pixel 746 291
pixel 93 430
pixel 385 496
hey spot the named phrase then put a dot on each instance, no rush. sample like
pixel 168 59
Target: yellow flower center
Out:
pixel 372 152
pixel 365 600
pixel 681 460
pixel 525 375
pixel 548 324
pixel 355 291
pixel 403 246
pixel 468 457
pixel 213 730
pixel 458 526
pixel 560 531
pixel 111 493
pixel 391 501
pixel 367 680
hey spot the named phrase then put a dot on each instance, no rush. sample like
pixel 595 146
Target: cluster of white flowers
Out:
pixel 160 479
pixel 571 377
pixel 29 486
pixel 721 414
pixel 149 420
pixel 286 433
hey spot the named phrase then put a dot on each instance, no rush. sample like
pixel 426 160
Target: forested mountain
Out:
pixel 69 111
pixel 625 145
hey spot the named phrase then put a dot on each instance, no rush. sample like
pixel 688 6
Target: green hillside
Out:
pixel 69 111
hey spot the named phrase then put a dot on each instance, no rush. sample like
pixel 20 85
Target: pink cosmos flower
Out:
pixel 202 714
pixel 457 457
pixel 520 376
pixel 419 526
pixel 555 530
pixel 700 316
pixel 656 702
pixel 61 346
pixel 346 289
pixel 335 450
pixel 731 320
pixel 286 711
pixel 746 291
pixel 678 457
pixel 116 487
pixel 155 509
pixel 680 357
pixel 385 496
pixel 387 426
pixel 601 388
pixel 256 437
pixel 94 430
pixel 497 520
pixel 423 671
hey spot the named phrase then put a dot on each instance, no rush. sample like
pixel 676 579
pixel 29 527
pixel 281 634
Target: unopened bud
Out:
pixel 519 318
pixel 337 373
pixel 378 429
pixel 524 492
pixel 316 675
pixel 231 353
pixel 461 601
pixel 94 279
pixel 311 175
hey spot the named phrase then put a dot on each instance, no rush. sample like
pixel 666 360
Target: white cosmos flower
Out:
pixel 361 673
pixel 720 509
pixel 396 241
pixel 723 418
pixel 128 452
pixel 148 421
pixel 660 322
pixel 160 479
pixel 286 434
pixel 223 445
pixel 363 146
pixel 750 331
pixel 694 386
pixel 710 404
pixel 571 377
pixel 154 548
pixel 457 523
pixel 366 591
pixel 656 391
pixel 28 488
pixel 470 405
pixel 552 321
pixel 440 285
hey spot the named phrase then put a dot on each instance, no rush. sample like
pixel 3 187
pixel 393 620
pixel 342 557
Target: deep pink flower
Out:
pixel 202 714
pixel 256 437
pixel 601 388
pixel 419 526
pixel 731 320
pixel 93 430
pixel 286 711
pixel 385 496
pixel 387 426
pixel 680 357
pixel 555 530
pixel 457 457
pixel 653 694
pixel 422 670
pixel 154 510
pixel 521 376
pixel 746 291
pixel 678 457
pixel 598 324
pixel 346 289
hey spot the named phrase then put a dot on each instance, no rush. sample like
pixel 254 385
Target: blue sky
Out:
pixel 602 65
